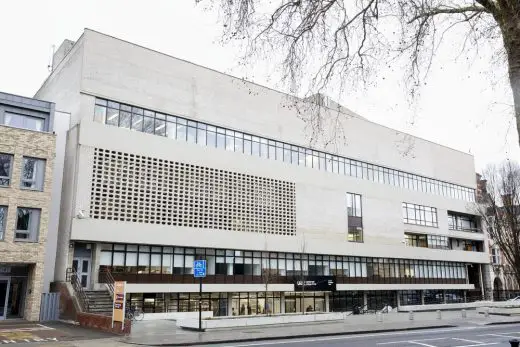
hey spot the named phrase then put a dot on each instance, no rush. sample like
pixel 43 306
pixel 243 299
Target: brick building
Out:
pixel 27 153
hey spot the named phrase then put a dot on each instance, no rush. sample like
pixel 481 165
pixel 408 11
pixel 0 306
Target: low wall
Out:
pixel 69 307
pixel 232 322
pixel 104 323
pixel 177 315
pixel 467 305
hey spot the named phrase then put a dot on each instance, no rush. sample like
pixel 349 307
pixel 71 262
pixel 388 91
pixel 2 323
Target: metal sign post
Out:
pixel 199 270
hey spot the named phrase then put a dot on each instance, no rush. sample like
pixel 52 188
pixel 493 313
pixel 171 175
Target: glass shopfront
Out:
pixel 305 302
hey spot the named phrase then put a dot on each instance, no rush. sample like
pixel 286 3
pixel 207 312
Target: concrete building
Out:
pixel 27 154
pixel 167 162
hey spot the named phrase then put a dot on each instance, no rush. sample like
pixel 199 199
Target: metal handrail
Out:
pixel 109 280
pixel 73 277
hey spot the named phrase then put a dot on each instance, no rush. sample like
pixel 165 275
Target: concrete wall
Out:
pixel 320 204
pixel 99 65
pixel 61 127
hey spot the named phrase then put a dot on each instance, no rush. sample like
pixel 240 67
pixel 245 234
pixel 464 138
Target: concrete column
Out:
pixel 398 299
pixel 443 296
pixel 365 299
pixel 422 297
pixel 282 302
pixel 465 299
pixel 327 307
pixel 95 252
pixel 229 311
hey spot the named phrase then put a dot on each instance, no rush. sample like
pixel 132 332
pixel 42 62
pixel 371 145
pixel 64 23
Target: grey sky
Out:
pixel 459 106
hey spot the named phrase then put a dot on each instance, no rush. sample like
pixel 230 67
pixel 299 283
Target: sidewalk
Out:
pixel 164 333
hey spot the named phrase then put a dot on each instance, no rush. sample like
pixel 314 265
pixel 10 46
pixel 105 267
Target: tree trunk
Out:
pixel 510 27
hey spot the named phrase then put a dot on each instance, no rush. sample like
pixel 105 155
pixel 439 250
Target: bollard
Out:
pixel 410 315
pixel 439 314
pixel 463 313
pixel 486 312
pixel 379 316
pixel 514 343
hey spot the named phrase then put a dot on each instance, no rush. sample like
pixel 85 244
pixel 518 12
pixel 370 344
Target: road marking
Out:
pixel 480 344
pixel 502 335
pixel 357 336
pixel 465 340
pixel 421 344
pixel 407 341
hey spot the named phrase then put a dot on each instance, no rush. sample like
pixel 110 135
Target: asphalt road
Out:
pixel 472 336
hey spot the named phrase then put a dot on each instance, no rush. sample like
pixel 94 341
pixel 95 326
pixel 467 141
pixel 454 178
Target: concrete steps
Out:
pixel 100 301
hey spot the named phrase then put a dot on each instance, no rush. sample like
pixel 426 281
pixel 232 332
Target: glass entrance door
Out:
pixel 4 294
pixel 82 268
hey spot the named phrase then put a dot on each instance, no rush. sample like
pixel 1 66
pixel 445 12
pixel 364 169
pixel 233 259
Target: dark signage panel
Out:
pixel 315 283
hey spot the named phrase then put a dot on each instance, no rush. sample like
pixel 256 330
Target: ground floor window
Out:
pixel 246 304
pixel 410 297
pixel 304 302
pixel 433 297
pixel 346 301
pixel 379 299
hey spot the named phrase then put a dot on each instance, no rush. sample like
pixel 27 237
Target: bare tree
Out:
pixel 499 208
pixel 326 44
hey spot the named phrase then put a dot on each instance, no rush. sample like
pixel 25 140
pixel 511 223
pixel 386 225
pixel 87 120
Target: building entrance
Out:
pixel 4 295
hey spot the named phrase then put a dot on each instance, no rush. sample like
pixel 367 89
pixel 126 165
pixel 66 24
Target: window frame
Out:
pixel 3 221
pixel 33 229
pixel 9 177
pixel 39 180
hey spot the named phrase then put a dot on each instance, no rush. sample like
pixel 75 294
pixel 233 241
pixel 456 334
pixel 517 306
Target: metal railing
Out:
pixel 108 279
pixel 74 279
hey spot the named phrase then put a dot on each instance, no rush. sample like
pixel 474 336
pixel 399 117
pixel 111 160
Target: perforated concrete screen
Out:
pixel 133 188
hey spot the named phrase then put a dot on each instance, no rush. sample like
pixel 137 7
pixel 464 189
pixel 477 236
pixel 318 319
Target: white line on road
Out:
pixel 480 344
pixel 394 342
pixel 421 344
pixel 465 340
pixel 502 335
pixel 357 336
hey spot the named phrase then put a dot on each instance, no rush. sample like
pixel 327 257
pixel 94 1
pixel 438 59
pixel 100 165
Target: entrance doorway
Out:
pixel 4 295
pixel 82 267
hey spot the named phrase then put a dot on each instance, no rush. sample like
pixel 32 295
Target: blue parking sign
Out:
pixel 199 268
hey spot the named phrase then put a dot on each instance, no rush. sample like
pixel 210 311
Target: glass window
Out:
pixel 192 134
pixel 181 131
pixel 160 127
pixel 354 205
pixel 6 166
pixel 125 120
pixel 201 136
pixel 137 122
pixel 419 215
pixel 23 121
pixel 112 117
pixel 27 224
pixel 3 217
pixel 33 172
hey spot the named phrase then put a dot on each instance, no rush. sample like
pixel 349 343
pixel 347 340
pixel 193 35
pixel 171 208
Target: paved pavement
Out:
pixel 22 332
pixel 164 333
pixel 395 330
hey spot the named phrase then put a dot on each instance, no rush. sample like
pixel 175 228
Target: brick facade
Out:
pixel 20 143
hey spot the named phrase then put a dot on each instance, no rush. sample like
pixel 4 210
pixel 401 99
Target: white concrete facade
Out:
pixel 100 66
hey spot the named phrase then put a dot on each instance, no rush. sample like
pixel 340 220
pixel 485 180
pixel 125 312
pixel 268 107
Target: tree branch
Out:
pixel 436 11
